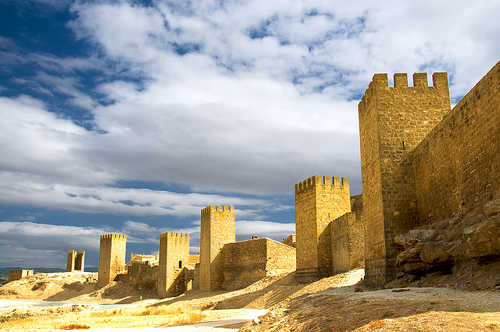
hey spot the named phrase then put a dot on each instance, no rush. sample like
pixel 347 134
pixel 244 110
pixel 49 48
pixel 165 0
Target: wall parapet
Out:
pixel 325 181
pixel 113 236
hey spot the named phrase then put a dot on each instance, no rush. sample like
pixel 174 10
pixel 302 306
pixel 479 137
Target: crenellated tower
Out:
pixel 174 254
pixel 392 122
pixel 217 229
pixel 318 201
pixel 111 257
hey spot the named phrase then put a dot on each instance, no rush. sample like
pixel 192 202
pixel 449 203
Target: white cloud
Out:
pixel 237 114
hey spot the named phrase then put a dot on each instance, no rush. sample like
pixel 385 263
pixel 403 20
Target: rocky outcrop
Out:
pixel 444 245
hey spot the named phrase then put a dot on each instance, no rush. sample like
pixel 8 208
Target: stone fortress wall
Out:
pixel 251 260
pixel 422 162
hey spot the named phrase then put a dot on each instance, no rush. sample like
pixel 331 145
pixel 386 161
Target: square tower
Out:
pixel 70 265
pixel 217 229
pixel 80 261
pixel 111 257
pixel 76 261
pixel 174 254
pixel 318 201
pixel 392 122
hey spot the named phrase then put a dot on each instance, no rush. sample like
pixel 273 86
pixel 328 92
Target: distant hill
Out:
pixel 4 271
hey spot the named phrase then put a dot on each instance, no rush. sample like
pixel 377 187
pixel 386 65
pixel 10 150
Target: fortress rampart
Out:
pixel 348 243
pixel 174 255
pixel 318 201
pixel 457 166
pixel 251 260
pixel 420 161
pixel 217 229
pixel 111 257
pixel 392 122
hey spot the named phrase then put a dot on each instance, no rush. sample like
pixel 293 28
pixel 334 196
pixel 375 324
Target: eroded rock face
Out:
pixel 492 207
pixel 442 245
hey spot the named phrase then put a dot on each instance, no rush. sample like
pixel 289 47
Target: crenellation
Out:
pixel 420 80
pixel 111 257
pixel 318 201
pixel 400 80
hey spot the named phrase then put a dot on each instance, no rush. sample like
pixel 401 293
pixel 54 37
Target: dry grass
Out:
pixel 74 327
pixel 123 318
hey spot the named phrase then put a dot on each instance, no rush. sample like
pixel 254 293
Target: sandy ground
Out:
pixel 330 304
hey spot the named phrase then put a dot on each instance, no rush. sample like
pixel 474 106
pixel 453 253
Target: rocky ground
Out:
pixel 337 303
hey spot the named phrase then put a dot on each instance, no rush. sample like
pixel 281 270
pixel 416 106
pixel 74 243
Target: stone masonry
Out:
pixel 348 243
pixel 217 229
pixel 76 261
pixel 174 255
pixel 18 274
pixel 251 260
pixel 290 240
pixel 392 122
pixel 318 201
pixel 420 161
pixel 111 257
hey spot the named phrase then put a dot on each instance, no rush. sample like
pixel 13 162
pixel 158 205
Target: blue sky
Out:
pixel 131 116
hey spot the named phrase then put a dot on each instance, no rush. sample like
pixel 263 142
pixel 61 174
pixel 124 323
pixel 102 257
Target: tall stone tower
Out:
pixel 174 254
pixel 318 201
pixel 111 257
pixel 217 229
pixel 392 122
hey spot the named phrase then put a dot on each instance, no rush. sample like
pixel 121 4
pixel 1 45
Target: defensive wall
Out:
pixel 457 166
pixel 18 274
pixel 217 229
pixel 348 243
pixel 111 257
pixel 420 161
pixel 318 201
pixel 290 240
pixel 142 275
pixel 251 260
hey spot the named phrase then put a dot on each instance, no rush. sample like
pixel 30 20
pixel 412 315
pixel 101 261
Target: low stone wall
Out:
pixel 248 261
pixel 142 275
pixel 19 274
pixel 348 243
pixel 245 260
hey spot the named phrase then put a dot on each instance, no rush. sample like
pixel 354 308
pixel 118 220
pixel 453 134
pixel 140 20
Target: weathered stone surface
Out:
pixel 318 201
pixel 492 207
pixel 422 163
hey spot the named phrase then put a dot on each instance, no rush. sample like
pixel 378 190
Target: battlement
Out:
pixel 174 235
pixel 113 236
pixel 380 82
pixel 217 209
pixel 327 182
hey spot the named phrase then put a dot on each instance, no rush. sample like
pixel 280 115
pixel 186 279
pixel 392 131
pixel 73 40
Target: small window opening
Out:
pixel 403 145
pixel 180 264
